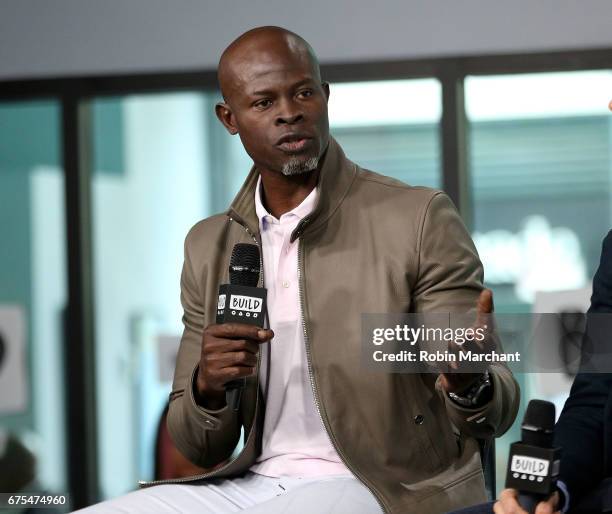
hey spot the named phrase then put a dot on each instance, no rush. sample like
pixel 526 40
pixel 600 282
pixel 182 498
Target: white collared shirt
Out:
pixel 294 440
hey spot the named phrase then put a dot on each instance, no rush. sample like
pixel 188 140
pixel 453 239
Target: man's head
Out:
pixel 274 99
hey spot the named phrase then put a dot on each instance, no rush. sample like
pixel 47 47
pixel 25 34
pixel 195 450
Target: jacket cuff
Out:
pixel 479 421
pixel 564 494
pixel 208 419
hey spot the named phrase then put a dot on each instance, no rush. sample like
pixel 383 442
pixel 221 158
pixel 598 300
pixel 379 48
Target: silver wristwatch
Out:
pixel 477 394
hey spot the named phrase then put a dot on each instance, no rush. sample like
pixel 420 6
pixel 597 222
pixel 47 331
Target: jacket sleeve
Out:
pixel 450 280
pixel 205 437
pixel 581 429
pixel 580 434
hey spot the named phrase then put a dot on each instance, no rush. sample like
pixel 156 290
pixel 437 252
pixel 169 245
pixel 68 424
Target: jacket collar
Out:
pixel 335 178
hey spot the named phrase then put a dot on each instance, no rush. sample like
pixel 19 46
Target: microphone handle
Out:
pixel 233 389
pixel 529 502
pixel 233 393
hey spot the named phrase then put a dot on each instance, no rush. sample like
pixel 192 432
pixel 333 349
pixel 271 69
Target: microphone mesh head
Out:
pixel 539 423
pixel 244 266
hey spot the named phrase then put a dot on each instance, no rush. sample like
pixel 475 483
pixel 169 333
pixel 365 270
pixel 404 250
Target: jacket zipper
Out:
pixel 145 483
pixel 313 385
pixel 309 360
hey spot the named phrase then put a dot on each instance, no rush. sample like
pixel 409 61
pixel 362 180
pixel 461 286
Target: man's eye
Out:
pixel 262 104
pixel 305 93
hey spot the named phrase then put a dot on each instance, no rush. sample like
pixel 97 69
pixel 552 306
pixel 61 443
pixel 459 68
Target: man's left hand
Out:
pixel 458 381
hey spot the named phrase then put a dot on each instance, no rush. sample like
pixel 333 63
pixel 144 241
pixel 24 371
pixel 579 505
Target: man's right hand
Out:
pixel 508 504
pixel 229 352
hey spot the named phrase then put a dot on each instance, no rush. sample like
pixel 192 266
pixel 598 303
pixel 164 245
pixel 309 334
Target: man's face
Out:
pixel 278 106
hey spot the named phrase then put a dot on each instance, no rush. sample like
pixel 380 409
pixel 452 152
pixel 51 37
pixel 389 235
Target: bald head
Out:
pixel 275 101
pixel 267 46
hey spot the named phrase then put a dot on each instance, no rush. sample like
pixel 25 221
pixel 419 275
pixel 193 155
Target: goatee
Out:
pixel 296 166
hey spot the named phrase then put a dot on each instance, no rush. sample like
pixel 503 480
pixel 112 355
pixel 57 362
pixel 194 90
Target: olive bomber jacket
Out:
pixel 372 244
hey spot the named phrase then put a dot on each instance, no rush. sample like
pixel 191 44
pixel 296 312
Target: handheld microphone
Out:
pixel 241 301
pixel 533 464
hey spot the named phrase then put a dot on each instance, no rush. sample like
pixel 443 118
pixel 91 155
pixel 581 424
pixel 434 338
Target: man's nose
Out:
pixel 289 114
pixel 289 119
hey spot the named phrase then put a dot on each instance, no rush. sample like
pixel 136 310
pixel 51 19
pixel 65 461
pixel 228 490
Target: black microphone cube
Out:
pixel 241 304
pixel 532 469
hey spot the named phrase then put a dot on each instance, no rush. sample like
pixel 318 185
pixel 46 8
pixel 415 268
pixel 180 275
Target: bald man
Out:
pixel 322 434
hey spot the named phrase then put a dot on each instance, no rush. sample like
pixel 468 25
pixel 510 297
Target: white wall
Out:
pixel 63 37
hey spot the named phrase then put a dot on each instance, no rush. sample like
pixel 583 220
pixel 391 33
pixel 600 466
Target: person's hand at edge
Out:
pixel 508 504
pixel 458 381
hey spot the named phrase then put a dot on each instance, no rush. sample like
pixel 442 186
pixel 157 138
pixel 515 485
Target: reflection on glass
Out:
pixel 32 298
pixel 540 162
pixel 390 127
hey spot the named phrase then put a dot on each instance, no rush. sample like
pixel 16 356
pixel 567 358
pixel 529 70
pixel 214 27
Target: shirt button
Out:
pixel 285 283
pixel 418 419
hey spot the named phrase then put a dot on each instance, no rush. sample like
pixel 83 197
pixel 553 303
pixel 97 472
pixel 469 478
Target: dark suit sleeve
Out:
pixel 581 428
pixel 601 301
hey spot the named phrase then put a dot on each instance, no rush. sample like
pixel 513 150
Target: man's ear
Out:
pixel 225 115
pixel 325 86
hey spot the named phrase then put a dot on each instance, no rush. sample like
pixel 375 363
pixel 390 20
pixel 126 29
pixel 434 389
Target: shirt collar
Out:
pixel 301 211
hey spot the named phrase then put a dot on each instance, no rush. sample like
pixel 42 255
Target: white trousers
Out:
pixel 251 494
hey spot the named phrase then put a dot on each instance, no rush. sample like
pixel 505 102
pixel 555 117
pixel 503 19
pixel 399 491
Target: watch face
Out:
pixel 474 393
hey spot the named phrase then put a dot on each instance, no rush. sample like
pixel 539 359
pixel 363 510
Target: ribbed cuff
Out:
pixel 566 495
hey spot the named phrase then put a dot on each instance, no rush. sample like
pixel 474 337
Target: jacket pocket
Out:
pixel 457 489
pixel 426 425
pixel 437 433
